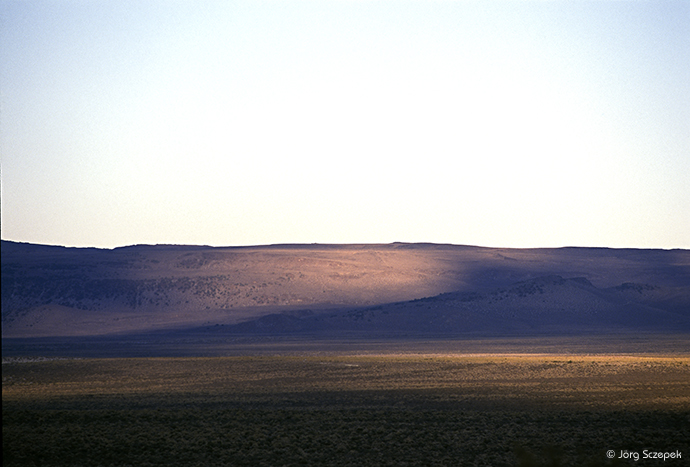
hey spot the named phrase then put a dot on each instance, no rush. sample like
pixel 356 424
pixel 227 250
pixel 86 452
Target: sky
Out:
pixel 496 123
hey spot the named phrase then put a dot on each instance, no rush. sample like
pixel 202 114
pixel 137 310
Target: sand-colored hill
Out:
pixel 53 291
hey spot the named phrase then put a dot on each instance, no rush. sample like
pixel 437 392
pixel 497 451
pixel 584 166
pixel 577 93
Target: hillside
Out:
pixel 401 288
pixel 542 306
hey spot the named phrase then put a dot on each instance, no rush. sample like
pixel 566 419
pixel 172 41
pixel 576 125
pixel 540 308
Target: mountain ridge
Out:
pixel 53 291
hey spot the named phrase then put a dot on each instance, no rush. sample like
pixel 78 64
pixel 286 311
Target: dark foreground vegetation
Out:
pixel 415 410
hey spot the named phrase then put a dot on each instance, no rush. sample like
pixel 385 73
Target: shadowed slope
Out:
pixel 546 305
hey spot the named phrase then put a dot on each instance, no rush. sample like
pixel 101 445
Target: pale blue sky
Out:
pixel 498 123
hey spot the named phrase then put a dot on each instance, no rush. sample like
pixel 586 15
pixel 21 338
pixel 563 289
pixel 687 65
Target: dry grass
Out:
pixel 344 410
pixel 565 381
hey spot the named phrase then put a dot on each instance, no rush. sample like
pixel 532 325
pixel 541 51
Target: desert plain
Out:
pixel 402 354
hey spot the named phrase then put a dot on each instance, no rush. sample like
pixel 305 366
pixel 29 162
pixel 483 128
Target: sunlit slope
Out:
pixel 68 291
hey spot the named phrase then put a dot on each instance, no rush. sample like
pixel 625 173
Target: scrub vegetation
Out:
pixel 434 410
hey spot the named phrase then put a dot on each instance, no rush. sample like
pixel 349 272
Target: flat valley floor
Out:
pixel 426 409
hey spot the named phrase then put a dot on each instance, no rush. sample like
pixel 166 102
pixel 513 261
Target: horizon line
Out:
pixel 335 245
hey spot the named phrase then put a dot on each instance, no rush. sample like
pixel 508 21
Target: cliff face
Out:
pixel 71 291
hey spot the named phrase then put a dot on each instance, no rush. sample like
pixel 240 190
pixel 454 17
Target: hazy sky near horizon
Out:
pixel 498 123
